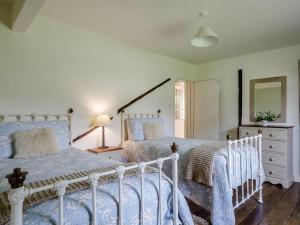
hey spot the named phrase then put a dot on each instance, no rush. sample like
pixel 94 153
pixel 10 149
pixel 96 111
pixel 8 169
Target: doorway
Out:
pixel 197 109
pixel 179 109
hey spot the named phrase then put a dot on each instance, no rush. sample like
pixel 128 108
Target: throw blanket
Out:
pixel 200 163
pixel 40 197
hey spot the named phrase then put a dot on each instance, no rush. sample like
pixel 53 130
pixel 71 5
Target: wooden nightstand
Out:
pixel 114 153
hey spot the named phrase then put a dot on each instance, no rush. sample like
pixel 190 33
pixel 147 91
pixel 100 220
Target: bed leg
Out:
pixel 229 162
pixel 16 198
pixel 260 198
pixel 175 158
pixel 16 195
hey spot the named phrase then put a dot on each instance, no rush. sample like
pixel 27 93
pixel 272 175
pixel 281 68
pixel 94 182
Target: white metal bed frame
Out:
pixel 248 143
pixel 125 117
pixel 16 196
pixel 6 117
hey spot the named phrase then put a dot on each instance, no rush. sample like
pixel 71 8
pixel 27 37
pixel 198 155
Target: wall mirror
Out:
pixel 268 95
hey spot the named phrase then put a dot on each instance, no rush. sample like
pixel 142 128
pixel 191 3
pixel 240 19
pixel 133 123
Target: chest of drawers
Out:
pixel 277 152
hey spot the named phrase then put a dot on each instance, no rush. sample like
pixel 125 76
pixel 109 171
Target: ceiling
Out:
pixel 167 26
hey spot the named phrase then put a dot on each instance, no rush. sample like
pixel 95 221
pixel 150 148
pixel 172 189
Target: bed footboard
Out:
pixel 244 183
pixel 19 192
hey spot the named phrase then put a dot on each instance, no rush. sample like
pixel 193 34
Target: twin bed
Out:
pixel 210 172
pixel 77 187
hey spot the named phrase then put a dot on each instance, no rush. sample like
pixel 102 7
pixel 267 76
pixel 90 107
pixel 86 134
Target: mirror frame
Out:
pixel 281 79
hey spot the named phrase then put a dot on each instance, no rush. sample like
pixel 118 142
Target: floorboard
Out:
pixel 295 217
pixel 281 206
pixel 284 208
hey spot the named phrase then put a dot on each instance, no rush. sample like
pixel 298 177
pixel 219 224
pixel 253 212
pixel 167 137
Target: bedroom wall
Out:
pixel 55 65
pixel 279 62
pixel 4 14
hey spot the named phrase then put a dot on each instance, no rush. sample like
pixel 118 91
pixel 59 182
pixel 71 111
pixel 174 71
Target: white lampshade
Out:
pixel 205 37
pixel 102 120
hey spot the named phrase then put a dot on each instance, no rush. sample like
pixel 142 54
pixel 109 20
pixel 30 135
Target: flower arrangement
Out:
pixel 266 116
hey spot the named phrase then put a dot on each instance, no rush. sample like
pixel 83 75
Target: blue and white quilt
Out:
pixel 217 198
pixel 78 205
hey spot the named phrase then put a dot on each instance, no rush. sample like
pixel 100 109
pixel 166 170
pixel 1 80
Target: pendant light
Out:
pixel 205 37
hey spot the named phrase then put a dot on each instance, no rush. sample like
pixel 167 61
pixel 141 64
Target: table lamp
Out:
pixel 102 121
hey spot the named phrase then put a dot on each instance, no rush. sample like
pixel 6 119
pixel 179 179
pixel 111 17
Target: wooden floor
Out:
pixel 281 206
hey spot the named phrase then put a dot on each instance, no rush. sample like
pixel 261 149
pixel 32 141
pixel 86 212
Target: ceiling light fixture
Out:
pixel 205 37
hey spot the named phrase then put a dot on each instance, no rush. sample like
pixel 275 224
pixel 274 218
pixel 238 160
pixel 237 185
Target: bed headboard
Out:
pixel 39 117
pixel 125 117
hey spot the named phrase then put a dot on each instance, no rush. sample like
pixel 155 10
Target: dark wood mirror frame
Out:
pixel 281 79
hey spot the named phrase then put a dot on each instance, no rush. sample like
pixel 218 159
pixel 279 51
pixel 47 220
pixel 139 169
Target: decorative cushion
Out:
pixel 135 127
pixel 34 143
pixel 153 130
pixel 60 127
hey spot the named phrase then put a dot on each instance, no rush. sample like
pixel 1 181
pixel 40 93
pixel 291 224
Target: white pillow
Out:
pixel 153 130
pixel 35 143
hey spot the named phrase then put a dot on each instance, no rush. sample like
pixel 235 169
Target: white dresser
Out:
pixel 277 152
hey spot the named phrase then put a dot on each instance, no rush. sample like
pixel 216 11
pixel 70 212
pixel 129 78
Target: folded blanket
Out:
pixel 40 197
pixel 199 167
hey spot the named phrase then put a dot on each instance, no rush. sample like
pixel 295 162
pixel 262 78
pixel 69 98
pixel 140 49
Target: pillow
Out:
pixel 153 130
pixel 135 129
pixel 34 143
pixel 60 127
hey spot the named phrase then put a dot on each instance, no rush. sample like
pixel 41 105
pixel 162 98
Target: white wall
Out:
pixel 55 65
pixel 279 62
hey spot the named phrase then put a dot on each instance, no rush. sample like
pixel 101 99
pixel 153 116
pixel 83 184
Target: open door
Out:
pixel 206 110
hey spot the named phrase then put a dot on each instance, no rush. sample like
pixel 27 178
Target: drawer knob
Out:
pixel 247 133
pixel 271 146
pixel 271 135
pixel 271 159
pixel 270 172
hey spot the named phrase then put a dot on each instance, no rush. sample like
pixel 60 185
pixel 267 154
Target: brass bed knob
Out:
pixel 174 148
pixel 259 131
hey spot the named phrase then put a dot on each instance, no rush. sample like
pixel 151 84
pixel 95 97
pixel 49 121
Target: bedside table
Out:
pixel 114 153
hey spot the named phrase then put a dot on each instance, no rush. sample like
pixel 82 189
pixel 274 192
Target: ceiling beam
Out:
pixel 23 13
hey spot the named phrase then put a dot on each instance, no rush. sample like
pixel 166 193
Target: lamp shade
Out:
pixel 205 37
pixel 101 120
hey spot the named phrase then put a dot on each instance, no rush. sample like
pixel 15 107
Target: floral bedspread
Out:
pixel 78 205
